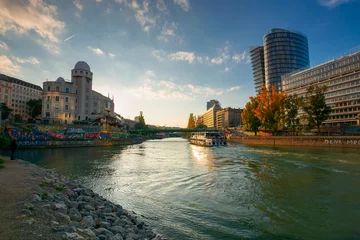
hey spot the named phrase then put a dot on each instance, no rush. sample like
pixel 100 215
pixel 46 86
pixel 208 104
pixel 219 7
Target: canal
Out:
pixel 234 192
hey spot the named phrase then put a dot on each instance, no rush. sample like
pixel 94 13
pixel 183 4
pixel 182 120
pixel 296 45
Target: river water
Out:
pixel 234 192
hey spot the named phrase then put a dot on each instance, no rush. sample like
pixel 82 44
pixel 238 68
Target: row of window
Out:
pixel 26 88
pixel 282 42
pixel 344 85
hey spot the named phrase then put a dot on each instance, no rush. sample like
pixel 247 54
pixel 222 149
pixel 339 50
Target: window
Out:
pixel 6 91
pixel 57 88
pixel 6 97
pixel 66 99
pixel 67 90
pixel 47 106
pixel 66 107
pixel 57 98
pixel 48 88
pixel 47 114
pixel 48 98
pixel 66 115
pixel 56 115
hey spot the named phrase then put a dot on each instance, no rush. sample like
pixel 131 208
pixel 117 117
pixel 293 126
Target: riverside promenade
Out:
pixel 39 204
pixel 309 141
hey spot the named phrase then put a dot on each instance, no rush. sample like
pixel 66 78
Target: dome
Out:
pixel 3 77
pixel 82 65
pixel 60 79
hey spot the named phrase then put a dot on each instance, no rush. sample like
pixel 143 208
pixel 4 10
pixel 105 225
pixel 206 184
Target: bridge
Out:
pixel 172 130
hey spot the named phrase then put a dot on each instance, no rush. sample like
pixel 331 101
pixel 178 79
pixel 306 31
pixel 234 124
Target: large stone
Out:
pixel 117 237
pixel 78 190
pixel 118 230
pixel 74 204
pixel 62 217
pixel 86 233
pixel 105 225
pixel 75 215
pixel 103 231
pixel 60 207
pixel 89 207
pixel 72 236
pixel 88 221
pixel 64 229
pixel 36 198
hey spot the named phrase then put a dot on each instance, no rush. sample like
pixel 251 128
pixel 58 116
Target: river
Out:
pixel 234 192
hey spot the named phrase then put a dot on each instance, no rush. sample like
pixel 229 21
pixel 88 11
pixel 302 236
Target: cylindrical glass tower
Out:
pixel 284 52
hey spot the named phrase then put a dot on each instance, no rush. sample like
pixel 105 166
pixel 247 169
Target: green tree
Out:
pixel 35 107
pixel 315 108
pixel 250 121
pixel 5 111
pixel 191 121
pixel 291 118
pixel 141 124
pixel 18 118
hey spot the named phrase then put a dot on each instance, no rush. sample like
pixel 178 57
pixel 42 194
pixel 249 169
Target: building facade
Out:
pixel 342 79
pixel 209 116
pixel 228 118
pixel 258 67
pixel 15 93
pixel 284 52
pixel 75 100
pixel 211 103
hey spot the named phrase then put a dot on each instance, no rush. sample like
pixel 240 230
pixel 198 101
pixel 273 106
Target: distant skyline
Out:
pixel 165 58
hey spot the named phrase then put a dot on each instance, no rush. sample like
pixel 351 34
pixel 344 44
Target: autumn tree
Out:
pixel 315 108
pixel 200 122
pixel 270 108
pixel 292 104
pixel 249 120
pixel 191 121
pixel 141 123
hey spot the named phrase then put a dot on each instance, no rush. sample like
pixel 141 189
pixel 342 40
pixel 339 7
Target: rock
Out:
pixel 36 198
pixel 105 225
pixel 88 221
pixel 103 231
pixel 60 207
pixel 102 237
pixel 75 215
pixel 81 205
pixel 64 229
pixel 118 230
pixel 119 211
pixel 72 236
pixel 74 204
pixel 78 190
pixel 62 217
pixel 75 224
pixel 30 221
pixel 117 237
pixel 87 233
pixel 26 212
pixel 89 208
pixel 54 223
pixel 70 193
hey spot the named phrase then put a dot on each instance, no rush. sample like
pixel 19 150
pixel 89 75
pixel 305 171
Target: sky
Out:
pixel 166 58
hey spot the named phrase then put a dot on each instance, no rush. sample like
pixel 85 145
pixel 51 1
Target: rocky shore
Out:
pixel 55 207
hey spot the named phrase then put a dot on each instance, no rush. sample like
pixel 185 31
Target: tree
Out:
pixel 250 121
pixel 270 108
pixel 17 118
pixel 35 107
pixel 291 118
pixel 315 108
pixel 141 124
pixel 200 122
pixel 5 111
pixel 191 121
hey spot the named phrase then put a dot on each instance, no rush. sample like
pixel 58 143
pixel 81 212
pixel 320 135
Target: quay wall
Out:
pixel 310 141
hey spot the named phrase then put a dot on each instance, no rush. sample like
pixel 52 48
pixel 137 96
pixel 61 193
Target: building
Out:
pixel 342 79
pixel 284 51
pixel 228 118
pixel 71 101
pixel 210 116
pixel 15 93
pixel 258 67
pixel 211 103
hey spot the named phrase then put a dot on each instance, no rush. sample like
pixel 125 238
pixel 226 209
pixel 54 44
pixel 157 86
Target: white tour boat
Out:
pixel 208 139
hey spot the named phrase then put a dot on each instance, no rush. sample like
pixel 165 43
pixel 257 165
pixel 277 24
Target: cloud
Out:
pixel 7 66
pixel 217 60
pixel 35 16
pixel 97 51
pixel 142 15
pixel 150 73
pixel 183 56
pixel 168 33
pixel 3 46
pixel 78 5
pixel 184 4
pixel 226 69
pixel 159 54
pixel 98 1
pixel 233 89
pixel 241 58
pixel 111 55
pixel 31 60
pixel 160 4
pixel 53 48
pixel 332 3
pixel 108 11
pixel 70 37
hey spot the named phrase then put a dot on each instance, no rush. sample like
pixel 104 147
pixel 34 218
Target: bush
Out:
pixel 44 196
pixel 59 188
pixel 1 161
pixel 4 142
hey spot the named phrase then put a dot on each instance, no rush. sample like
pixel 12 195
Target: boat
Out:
pixel 208 139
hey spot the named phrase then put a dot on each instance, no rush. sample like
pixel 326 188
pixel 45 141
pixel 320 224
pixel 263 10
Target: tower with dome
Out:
pixel 71 101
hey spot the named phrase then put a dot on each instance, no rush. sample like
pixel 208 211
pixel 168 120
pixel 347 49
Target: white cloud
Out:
pixel 226 69
pixel 31 60
pixel 233 89
pixel 98 1
pixel 159 54
pixel 236 58
pixel 142 15
pixel 35 16
pixel 184 4
pixel 111 55
pixel 241 58
pixel 3 46
pixel 150 73
pixel 168 33
pixel 183 56
pixel 53 48
pixel 217 60
pixel 97 51
pixel 332 3
pixel 160 4
pixel 108 11
pixel 78 5
pixel 7 66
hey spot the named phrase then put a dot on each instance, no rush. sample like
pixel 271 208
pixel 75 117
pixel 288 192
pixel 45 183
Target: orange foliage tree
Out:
pixel 270 109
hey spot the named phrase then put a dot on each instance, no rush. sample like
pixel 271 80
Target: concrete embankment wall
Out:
pixel 311 141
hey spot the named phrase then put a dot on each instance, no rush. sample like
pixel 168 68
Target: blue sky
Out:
pixel 164 57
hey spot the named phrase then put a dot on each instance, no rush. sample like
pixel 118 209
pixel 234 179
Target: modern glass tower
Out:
pixel 258 67
pixel 284 51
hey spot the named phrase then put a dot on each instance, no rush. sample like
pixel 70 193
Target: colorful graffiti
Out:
pixel 24 135
pixel 92 135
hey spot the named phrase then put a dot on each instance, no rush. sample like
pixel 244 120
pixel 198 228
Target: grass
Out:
pixel 42 185
pixel 30 207
pixel 44 196
pixel 59 188
pixel 2 161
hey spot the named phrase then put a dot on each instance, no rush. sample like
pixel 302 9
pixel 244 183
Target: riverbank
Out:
pixel 309 141
pixel 39 204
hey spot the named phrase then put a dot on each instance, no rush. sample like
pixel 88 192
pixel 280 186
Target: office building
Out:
pixel 211 103
pixel 75 100
pixel 228 118
pixel 15 93
pixel 209 116
pixel 284 51
pixel 342 79
pixel 258 67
